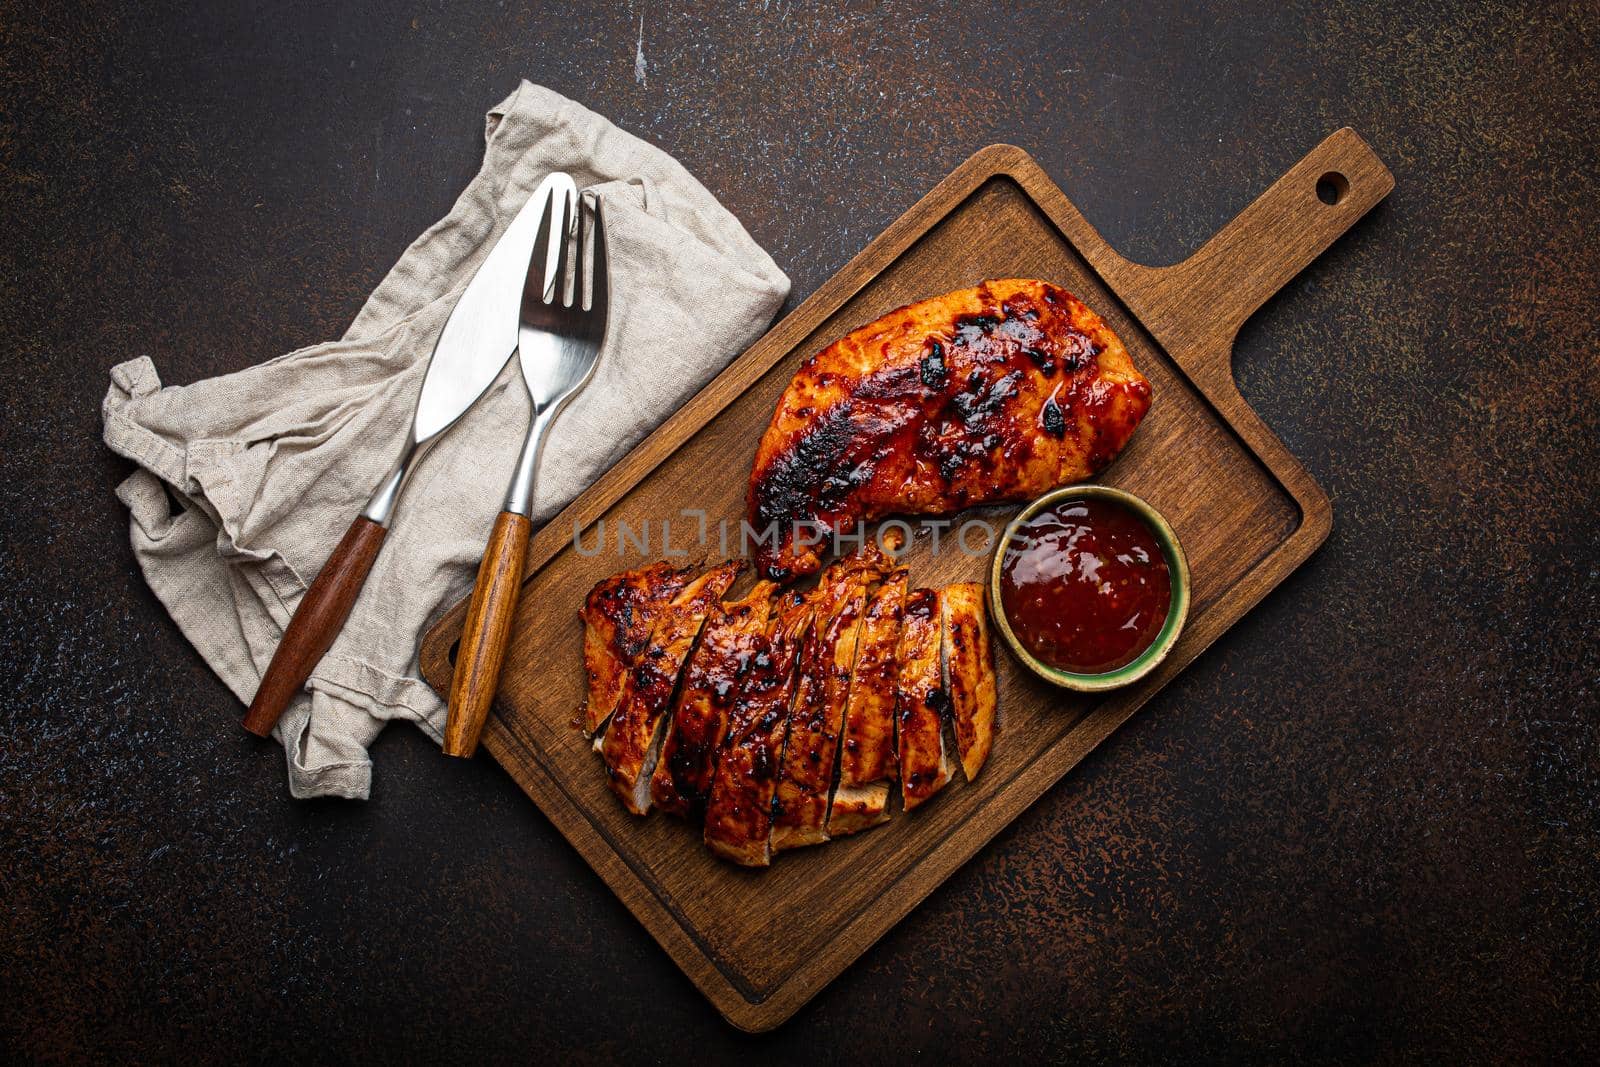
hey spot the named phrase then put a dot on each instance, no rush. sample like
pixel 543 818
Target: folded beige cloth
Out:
pixel 268 466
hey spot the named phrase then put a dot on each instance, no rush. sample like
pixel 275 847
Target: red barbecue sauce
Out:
pixel 1085 587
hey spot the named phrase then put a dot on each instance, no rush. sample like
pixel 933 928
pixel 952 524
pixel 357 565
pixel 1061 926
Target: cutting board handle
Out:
pixel 1207 297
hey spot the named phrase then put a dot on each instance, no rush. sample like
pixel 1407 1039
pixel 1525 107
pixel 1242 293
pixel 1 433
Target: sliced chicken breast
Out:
pixel 867 761
pixel 731 638
pixel 738 825
pixel 618 615
pixel 632 741
pixel 921 703
pixel 970 665
pixel 811 754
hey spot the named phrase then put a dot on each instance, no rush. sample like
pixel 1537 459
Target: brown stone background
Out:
pixel 1366 825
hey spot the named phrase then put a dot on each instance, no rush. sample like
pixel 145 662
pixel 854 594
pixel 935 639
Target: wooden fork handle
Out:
pixel 488 626
pixel 315 624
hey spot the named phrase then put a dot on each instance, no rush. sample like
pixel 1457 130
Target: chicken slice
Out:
pixel 811 754
pixel 738 824
pixel 866 755
pixel 632 742
pixel 921 702
pixel 971 671
pixel 729 641
pixel 998 392
pixel 618 615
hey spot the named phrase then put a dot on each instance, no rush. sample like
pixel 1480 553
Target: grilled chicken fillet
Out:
pixel 618 615
pixel 921 702
pixel 970 666
pixel 993 393
pixel 728 643
pixel 866 752
pixel 632 741
pixel 738 823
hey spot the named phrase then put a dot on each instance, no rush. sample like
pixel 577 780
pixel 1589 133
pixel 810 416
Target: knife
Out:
pixel 477 340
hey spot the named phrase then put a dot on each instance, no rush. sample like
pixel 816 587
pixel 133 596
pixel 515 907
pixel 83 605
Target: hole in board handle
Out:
pixel 1331 187
pixel 455 650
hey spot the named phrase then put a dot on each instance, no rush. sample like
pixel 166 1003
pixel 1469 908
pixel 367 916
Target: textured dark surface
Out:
pixel 1365 825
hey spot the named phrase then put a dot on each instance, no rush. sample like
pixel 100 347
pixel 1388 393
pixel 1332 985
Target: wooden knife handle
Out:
pixel 315 624
pixel 488 626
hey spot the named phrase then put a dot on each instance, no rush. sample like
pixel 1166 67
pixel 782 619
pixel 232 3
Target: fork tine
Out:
pixel 558 293
pixel 600 279
pixel 539 261
pixel 578 257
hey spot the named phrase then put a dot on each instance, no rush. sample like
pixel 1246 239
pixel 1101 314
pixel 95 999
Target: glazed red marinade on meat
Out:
pixel 994 393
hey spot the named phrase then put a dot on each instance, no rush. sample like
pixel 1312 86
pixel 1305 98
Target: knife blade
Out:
pixel 478 338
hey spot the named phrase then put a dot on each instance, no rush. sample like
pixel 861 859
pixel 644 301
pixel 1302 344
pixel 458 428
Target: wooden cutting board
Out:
pixel 759 944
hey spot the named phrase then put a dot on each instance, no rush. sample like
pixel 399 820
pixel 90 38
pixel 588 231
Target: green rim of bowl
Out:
pixel 1177 610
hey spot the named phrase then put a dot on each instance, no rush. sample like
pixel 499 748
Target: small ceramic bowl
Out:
pixel 1177 611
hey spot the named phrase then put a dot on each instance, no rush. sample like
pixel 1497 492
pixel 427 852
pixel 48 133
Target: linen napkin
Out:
pixel 246 481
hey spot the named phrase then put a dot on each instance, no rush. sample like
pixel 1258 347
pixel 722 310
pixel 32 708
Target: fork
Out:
pixel 558 344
